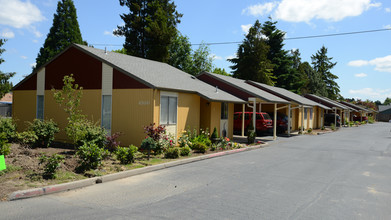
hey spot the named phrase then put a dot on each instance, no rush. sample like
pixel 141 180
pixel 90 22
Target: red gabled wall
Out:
pixel 86 70
pixel 122 81
pixel 224 86
pixel 29 84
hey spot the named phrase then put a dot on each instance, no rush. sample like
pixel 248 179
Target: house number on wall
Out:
pixel 144 103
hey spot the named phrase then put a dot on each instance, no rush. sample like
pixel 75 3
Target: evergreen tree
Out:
pixel 322 64
pixel 251 62
pixel 286 76
pixel 387 101
pixel 314 83
pixel 149 28
pixel 300 78
pixel 5 85
pixel 64 31
pixel 221 71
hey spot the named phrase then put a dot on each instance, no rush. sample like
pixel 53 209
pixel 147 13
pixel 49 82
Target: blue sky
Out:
pixel 363 60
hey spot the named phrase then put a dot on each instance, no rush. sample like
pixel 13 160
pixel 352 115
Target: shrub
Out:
pixel 332 126
pixel 51 165
pixel 309 131
pixel 44 130
pixel 200 147
pixel 371 120
pixel 26 138
pixel 87 132
pixel 148 145
pixel 90 156
pixel 126 154
pixel 8 126
pixel 213 147
pixel 155 132
pixel 251 137
pixel 185 151
pixel 322 128
pixel 4 146
pixel 111 141
pixel 172 152
pixel 214 135
pixel 184 140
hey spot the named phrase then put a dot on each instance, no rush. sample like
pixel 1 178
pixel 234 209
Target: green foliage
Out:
pixel 44 130
pixel 122 51
pixel 8 126
pixel 149 28
pixel 333 126
pixel 323 65
pixel 213 147
pixel 86 132
pixel 5 148
pixel 126 154
pixel 314 83
pixel 51 164
pixel 64 31
pixel 220 71
pixel 322 128
pixel 309 131
pixel 200 147
pixel 251 62
pixel 251 136
pixel 172 152
pixel 387 101
pixel 371 120
pixel 180 52
pixel 203 137
pixel 26 138
pixel 214 134
pixel 185 151
pixel 90 156
pixel 148 145
pixel 5 85
pixel 201 60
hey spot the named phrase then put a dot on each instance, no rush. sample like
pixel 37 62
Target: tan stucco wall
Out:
pixel 188 112
pixel 230 120
pixel 132 109
pixel 24 107
pixel 90 104
pixel 211 114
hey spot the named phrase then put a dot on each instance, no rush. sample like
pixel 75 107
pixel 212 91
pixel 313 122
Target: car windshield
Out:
pixel 266 116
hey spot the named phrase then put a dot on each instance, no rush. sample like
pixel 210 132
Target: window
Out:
pixel 311 112
pixel 305 114
pixel 168 110
pixel 40 104
pixel 106 112
pixel 224 110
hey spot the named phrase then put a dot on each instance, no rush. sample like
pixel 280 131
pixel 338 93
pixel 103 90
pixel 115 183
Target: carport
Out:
pixel 335 106
pixel 297 101
pixel 245 91
pixel 356 108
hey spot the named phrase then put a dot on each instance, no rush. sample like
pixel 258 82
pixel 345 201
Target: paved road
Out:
pixel 341 175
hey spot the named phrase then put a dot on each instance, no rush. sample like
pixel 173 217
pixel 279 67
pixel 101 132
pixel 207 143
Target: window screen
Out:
pixel 305 114
pixel 106 112
pixel 168 109
pixel 311 112
pixel 40 104
pixel 224 110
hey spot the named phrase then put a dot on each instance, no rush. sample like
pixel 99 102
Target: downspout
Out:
pixel 254 107
pixel 302 119
pixel 289 120
pixel 275 122
pixel 243 107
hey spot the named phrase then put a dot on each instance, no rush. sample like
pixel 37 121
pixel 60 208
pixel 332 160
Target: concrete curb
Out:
pixel 24 194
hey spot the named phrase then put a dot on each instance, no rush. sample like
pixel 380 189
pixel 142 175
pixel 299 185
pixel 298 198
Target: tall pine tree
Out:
pixel 149 28
pixel 286 76
pixel 322 64
pixel 314 83
pixel 251 62
pixel 64 31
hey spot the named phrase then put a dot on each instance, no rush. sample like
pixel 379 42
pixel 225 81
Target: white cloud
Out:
pixel 246 28
pixel 360 75
pixel 19 14
pixel 108 33
pixel 32 65
pixel 35 41
pixel 259 9
pixel 215 57
pixel 23 57
pixel 7 33
pixel 307 10
pixel 230 57
pixel 388 26
pixel 382 64
pixel 388 10
pixel 374 94
pixel 358 63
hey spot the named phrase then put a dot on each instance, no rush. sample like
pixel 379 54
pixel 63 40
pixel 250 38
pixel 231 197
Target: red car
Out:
pixel 357 118
pixel 263 121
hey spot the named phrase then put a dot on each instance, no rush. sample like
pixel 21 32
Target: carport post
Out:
pixel 302 119
pixel 342 114
pixel 243 108
pixel 254 114
pixel 335 117
pixel 275 122
pixel 361 116
pixel 289 120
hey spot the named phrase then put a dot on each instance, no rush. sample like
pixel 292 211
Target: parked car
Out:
pixel 282 122
pixel 330 119
pixel 263 122
pixel 358 118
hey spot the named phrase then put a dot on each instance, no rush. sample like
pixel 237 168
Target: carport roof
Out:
pixel 356 107
pixel 328 102
pixel 286 94
pixel 243 86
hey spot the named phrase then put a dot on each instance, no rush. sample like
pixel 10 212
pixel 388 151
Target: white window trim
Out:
pixel 169 94
pixel 111 114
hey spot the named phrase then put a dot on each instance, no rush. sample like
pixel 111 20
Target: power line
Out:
pixel 288 38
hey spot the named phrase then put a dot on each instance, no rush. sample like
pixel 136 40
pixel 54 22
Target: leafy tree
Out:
pixel 251 62
pixel 122 50
pixel 149 28
pixel 201 60
pixel 387 101
pixel 322 64
pixel 64 31
pixel 283 64
pixel 377 102
pixel 5 85
pixel 314 83
pixel 220 71
pixel 180 52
